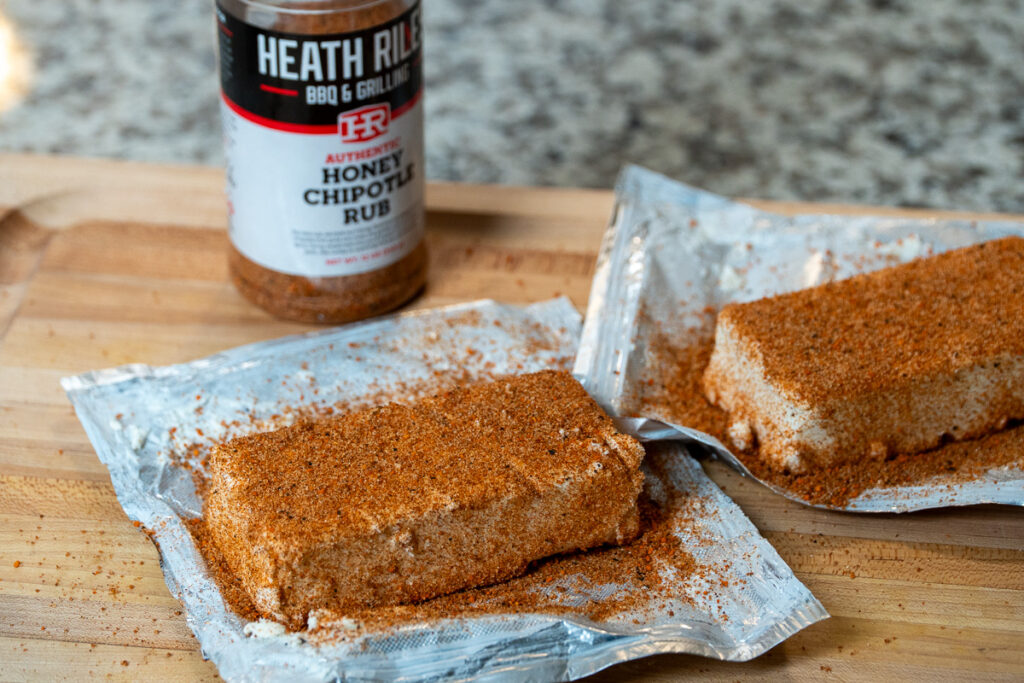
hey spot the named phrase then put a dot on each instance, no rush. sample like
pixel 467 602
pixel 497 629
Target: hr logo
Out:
pixel 365 123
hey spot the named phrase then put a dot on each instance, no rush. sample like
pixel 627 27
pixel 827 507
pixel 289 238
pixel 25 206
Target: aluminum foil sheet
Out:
pixel 146 421
pixel 673 252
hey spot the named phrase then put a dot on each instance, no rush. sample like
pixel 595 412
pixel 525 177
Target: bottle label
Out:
pixel 323 138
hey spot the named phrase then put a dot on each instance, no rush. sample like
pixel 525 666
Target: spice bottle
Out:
pixel 323 134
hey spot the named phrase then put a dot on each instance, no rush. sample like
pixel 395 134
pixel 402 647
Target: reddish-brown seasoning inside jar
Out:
pixel 323 129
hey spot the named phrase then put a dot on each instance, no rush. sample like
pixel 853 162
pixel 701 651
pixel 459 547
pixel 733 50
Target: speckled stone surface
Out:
pixel 886 102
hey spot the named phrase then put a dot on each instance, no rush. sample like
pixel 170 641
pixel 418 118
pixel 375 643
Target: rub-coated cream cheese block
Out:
pixel 895 361
pixel 401 503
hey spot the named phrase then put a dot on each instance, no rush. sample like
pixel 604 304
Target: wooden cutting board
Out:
pixel 104 263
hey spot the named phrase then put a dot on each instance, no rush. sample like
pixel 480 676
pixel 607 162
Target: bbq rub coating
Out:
pixel 401 503
pixel 894 361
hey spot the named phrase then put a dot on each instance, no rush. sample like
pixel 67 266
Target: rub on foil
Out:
pixel 674 255
pixel 744 600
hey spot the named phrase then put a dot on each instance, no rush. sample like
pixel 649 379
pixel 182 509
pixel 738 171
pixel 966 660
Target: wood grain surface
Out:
pixel 104 263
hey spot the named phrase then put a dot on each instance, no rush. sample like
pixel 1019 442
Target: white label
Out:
pixel 323 205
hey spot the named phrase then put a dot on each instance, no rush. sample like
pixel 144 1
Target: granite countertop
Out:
pixel 884 102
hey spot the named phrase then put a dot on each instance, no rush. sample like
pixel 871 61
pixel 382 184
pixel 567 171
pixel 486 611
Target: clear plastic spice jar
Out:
pixel 323 134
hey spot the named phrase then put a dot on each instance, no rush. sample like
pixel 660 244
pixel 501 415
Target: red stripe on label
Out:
pixel 278 125
pixel 407 106
pixel 306 129
pixel 279 91
pixel 226 30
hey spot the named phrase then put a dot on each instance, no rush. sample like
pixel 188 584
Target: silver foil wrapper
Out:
pixel 672 252
pixel 744 602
